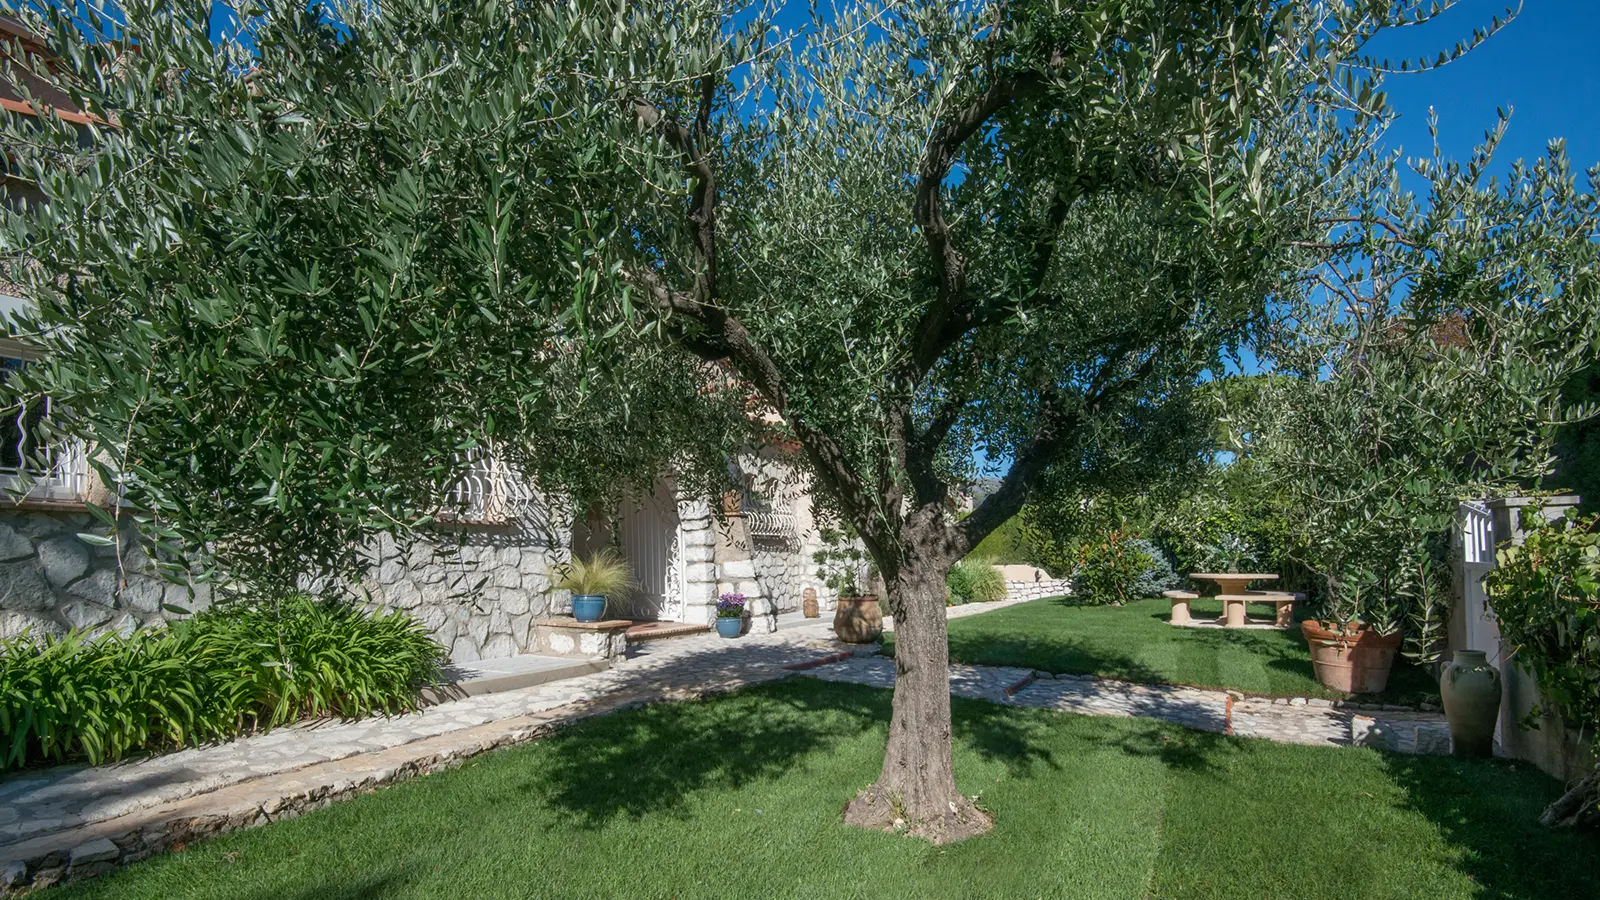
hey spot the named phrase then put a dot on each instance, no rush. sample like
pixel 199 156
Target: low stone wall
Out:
pixel 477 591
pixel 1038 590
pixel 52 581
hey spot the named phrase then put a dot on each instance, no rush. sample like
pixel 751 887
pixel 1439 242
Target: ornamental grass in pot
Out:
pixel 591 580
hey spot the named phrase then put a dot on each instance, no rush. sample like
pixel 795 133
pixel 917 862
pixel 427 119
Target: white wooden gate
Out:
pixel 648 535
pixel 1474 539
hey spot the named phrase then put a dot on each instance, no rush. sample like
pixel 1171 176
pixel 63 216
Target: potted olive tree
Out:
pixel 591 580
pixel 1349 653
pixel 844 567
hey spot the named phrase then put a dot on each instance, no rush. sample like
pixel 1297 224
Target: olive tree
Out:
pixel 285 285
pixel 281 279
pixel 1429 352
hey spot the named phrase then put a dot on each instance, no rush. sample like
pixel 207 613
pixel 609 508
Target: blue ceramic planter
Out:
pixel 588 607
pixel 729 628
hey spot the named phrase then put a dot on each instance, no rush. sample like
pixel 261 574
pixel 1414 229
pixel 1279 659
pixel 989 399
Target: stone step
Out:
pixel 655 631
pixel 510 673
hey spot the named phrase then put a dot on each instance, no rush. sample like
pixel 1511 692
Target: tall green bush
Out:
pixel 975 581
pixel 1111 569
pixel 1546 597
pixel 225 671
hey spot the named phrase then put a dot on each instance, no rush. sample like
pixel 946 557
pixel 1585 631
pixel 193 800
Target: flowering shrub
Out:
pixel 730 606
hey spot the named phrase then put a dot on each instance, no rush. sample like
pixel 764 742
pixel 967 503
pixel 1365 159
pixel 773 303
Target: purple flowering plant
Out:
pixel 730 606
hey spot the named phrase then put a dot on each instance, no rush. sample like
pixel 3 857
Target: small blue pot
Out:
pixel 729 628
pixel 588 607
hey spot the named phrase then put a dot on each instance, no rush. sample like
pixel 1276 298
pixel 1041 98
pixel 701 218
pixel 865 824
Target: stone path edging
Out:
pixel 1297 721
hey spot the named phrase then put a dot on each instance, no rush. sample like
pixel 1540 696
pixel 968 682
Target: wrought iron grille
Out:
pixel 32 468
pixel 490 492
pixel 771 526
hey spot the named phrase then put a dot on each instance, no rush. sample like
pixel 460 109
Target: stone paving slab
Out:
pixel 1317 722
pixel 972 682
pixel 1299 721
pixel 1091 696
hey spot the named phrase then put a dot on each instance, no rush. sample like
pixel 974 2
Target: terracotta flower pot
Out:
pixel 809 605
pixel 1470 689
pixel 1355 659
pixel 858 620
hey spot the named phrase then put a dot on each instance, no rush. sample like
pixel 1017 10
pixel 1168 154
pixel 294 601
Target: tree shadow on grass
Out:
pixel 1023 738
pixel 654 760
pixel 1489 810
pixel 1050 653
pixel 651 761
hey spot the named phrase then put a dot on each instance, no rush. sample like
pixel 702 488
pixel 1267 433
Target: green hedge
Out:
pixel 220 673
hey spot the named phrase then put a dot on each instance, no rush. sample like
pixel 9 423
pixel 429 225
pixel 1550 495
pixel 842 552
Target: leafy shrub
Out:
pixel 975 581
pixel 1116 568
pixel 224 671
pixel 1009 544
pixel 1546 596
pixel 1159 575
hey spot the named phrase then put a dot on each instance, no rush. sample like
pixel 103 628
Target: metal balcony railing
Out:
pixel 771 526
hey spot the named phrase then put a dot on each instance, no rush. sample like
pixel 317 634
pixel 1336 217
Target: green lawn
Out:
pixel 740 797
pixel 1135 643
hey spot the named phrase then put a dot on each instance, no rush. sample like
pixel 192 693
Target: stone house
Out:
pixel 482 584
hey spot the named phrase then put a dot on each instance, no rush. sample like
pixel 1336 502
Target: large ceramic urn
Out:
pixel 1470 688
pixel 858 620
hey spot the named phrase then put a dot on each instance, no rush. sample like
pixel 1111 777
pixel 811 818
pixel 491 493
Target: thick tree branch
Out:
pixel 1058 425
pixel 711 333
pixel 950 315
pixel 923 449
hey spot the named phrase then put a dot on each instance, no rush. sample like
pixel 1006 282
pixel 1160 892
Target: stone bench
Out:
pixel 1180 605
pixel 566 636
pixel 1233 606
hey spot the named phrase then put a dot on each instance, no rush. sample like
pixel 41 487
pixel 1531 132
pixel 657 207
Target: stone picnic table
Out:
pixel 1234 593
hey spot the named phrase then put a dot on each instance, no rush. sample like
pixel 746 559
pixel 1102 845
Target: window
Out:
pixel 30 468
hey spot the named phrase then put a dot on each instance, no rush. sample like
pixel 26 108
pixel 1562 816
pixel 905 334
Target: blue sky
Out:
pixel 1544 67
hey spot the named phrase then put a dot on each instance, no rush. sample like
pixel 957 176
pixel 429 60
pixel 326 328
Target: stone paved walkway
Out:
pixel 1297 721
pixel 68 821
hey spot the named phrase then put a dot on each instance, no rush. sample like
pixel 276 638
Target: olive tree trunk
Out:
pixel 1579 807
pixel 916 790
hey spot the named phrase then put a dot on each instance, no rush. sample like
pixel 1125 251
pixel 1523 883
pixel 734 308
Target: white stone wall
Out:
pixel 781 570
pixel 478 590
pixel 51 581
pixel 697 528
pixel 1038 590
